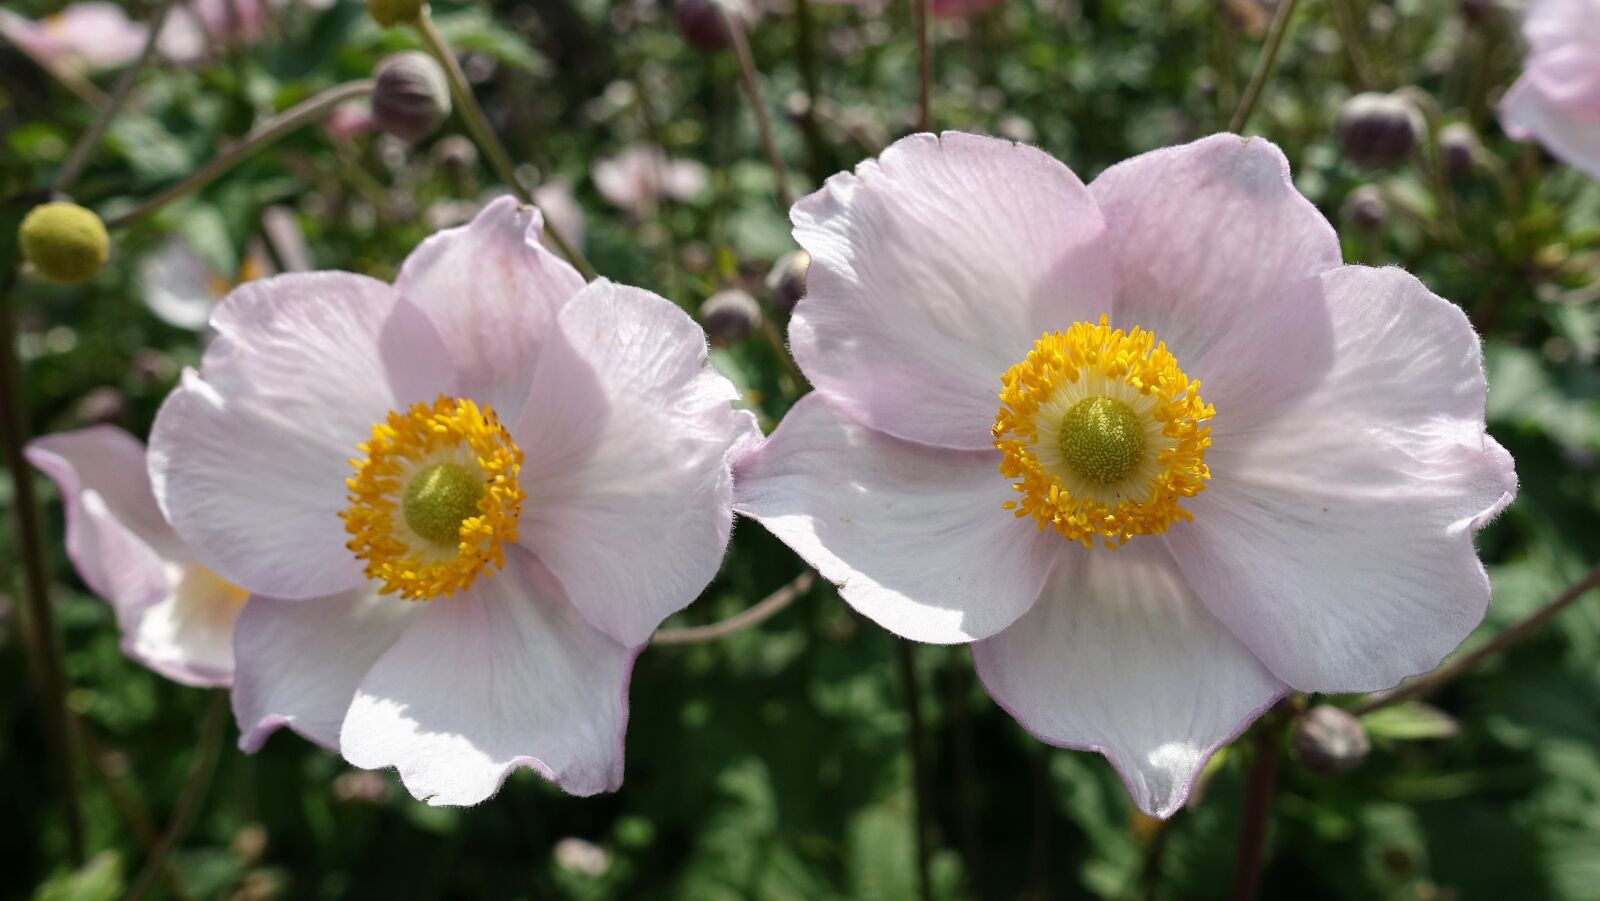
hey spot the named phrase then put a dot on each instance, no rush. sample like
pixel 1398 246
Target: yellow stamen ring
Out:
pixel 435 499
pixel 1102 432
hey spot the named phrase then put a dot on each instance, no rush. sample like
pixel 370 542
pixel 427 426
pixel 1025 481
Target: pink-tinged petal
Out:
pixel 1206 236
pixel 187 636
pixel 299 662
pixel 1529 116
pixel 915 537
pixel 117 538
pixel 1335 538
pixel 626 440
pixel 249 457
pixel 507 674
pixel 934 269
pixel 1119 656
pixel 493 293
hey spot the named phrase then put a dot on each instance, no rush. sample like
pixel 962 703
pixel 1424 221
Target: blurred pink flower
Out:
pixel 642 174
pixel 1557 100
pixel 83 38
pixel 1321 497
pixel 176 617
pixel 349 119
pixel 960 9
pixel 489 374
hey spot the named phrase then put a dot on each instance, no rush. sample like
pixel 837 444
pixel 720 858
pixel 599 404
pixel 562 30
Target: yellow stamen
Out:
pixel 1102 432
pixel 433 468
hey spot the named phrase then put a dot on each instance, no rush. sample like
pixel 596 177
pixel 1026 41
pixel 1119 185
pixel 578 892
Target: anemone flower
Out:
pixel 1557 100
pixel 1146 445
pixel 462 503
pixel 640 176
pixel 182 288
pixel 83 38
pixel 176 617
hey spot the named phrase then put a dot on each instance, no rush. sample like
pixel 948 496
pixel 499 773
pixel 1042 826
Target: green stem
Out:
pixel 905 658
pixel 752 93
pixel 1532 623
pixel 207 750
pixel 45 641
pixel 751 616
pixel 1265 65
pixel 806 58
pixel 478 125
pixel 1350 37
pixel 1259 785
pixel 305 112
pixel 68 173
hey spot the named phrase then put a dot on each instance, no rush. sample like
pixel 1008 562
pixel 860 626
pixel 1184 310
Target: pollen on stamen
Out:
pixel 1102 433
pixel 434 498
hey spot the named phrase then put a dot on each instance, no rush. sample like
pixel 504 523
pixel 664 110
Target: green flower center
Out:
pixel 440 498
pixel 1101 439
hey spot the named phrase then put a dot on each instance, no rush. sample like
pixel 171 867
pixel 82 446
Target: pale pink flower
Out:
pixel 182 288
pixel 961 9
pixel 463 502
pixel 1297 469
pixel 176 617
pixel 83 38
pixel 1557 100
pixel 349 119
pixel 642 175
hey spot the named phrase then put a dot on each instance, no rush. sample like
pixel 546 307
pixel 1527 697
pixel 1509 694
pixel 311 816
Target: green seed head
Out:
pixel 441 497
pixel 390 13
pixel 1101 439
pixel 66 243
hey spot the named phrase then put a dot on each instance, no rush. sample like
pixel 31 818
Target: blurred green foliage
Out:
pixel 773 764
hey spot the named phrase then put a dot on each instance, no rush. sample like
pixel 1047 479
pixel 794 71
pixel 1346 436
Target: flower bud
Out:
pixel 786 283
pixel 1365 208
pixel 66 243
pixel 390 13
pixel 1379 130
pixel 701 22
pixel 1458 145
pixel 411 96
pixel 1330 741
pixel 730 315
pixel 456 154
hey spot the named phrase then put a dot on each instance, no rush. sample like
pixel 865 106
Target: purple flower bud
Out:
pixel 1379 130
pixel 1330 741
pixel 1458 145
pixel 1365 208
pixel 786 282
pixel 701 22
pixel 411 96
pixel 730 315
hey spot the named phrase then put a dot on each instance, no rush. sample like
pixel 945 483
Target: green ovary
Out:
pixel 1101 439
pixel 439 498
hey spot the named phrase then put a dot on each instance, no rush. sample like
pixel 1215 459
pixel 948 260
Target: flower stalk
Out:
pixel 1259 785
pixel 307 111
pixel 752 93
pixel 44 638
pixel 207 750
pixel 89 140
pixel 1265 65
pixel 910 686
pixel 478 126
pixel 756 614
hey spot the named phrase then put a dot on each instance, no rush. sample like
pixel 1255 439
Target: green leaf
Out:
pixel 98 880
pixel 1410 721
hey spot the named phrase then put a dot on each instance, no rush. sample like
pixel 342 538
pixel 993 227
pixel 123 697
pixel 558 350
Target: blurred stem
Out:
pixel 1259 784
pixel 752 93
pixel 68 173
pixel 1345 20
pixel 1266 64
pixel 129 810
pixel 806 58
pixel 478 125
pixel 754 615
pixel 966 765
pixel 43 637
pixel 919 18
pixel 905 657
pixel 307 111
pixel 206 753
pixel 1432 160
pixel 1424 684
pixel 773 337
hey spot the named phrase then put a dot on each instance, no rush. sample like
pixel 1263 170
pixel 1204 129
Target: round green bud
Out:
pixel 1101 439
pixel 66 243
pixel 390 13
pixel 439 499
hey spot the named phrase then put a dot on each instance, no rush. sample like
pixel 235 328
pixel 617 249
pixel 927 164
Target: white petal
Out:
pixel 492 291
pixel 187 636
pixel 1119 656
pixel 915 537
pixel 626 440
pixel 934 269
pixel 299 662
pixel 249 458
pixel 505 675
pixel 1335 538
pixel 1528 115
